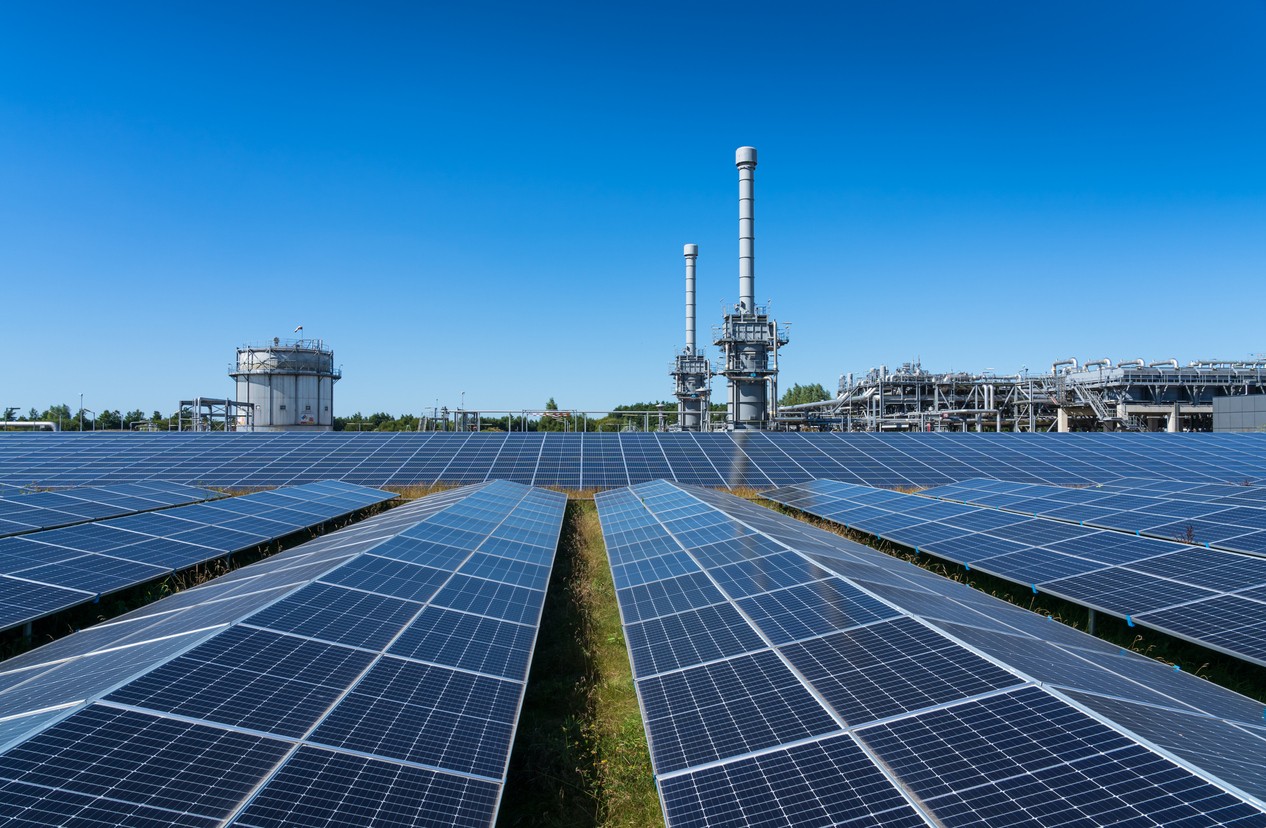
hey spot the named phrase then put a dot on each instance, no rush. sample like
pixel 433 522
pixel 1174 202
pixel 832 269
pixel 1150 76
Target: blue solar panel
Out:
pixel 764 730
pixel 322 789
pixel 159 769
pixel 271 655
pixel 885 669
pixel 338 615
pixel 573 460
pixel 247 678
pixel 1131 577
pixel 107 556
pixel 427 714
pixel 828 782
pixel 1004 755
pixel 47 510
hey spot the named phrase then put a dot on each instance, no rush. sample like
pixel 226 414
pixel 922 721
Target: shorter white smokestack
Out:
pixel 692 253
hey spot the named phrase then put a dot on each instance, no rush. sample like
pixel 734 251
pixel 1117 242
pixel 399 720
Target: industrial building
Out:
pixel 290 385
pixel 1131 395
pixel 749 337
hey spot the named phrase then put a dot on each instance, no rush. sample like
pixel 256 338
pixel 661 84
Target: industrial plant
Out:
pixel 1098 395
pixel 1134 395
pixel 748 336
pixel 289 384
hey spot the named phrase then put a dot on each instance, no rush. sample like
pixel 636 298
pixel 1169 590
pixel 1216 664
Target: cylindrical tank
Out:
pixel 291 385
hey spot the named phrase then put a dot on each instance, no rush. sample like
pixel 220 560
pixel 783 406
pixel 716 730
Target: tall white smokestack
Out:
pixel 745 160
pixel 692 253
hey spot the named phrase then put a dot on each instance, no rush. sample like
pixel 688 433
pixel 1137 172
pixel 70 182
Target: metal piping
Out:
pixel 1173 363
pixel 1070 361
pixel 692 253
pixel 1137 363
pixel 39 425
pixel 745 160
pixel 1106 363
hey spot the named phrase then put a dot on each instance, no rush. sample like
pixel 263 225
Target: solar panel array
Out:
pixel 370 677
pixel 52 570
pixel 1212 598
pixel 21 513
pixel 790 677
pixel 595 460
pixel 1216 515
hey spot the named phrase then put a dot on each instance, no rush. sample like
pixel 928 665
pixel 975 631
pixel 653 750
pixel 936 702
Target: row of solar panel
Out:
pixel 48 510
pixel 52 570
pixel 1213 598
pixel 370 677
pixel 1220 517
pixel 587 460
pixel 1185 490
pixel 781 685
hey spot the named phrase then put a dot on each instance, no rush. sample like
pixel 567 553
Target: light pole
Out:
pixel 463 411
pixel 81 411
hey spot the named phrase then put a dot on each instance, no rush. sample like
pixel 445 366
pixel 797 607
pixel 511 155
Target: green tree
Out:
pixel 59 414
pixel 551 423
pixel 136 415
pixel 801 394
pixel 110 420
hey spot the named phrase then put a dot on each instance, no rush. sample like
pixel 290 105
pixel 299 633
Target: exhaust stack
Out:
pixel 749 337
pixel 745 160
pixel 691 371
pixel 691 253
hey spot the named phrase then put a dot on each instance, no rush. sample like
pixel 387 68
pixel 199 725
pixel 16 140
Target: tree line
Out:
pixel 549 418
pixel 105 420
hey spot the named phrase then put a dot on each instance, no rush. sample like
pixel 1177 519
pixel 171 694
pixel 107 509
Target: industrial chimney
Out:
pixel 748 336
pixel 691 370
pixel 745 160
pixel 692 253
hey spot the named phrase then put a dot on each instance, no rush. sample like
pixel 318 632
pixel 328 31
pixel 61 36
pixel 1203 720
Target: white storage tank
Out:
pixel 290 383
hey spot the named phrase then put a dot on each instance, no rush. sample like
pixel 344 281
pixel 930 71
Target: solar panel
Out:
pixel 20 513
pixel 849 701
pixel 572 460
pixel 102 557
pixel 1180 589
pixel 323 685
pixel 1215 518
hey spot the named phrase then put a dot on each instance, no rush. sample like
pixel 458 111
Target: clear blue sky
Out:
pixel 492 197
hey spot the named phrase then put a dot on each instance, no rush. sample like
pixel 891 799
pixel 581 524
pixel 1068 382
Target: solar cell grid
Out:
pixel 829 782
pixel 1127 576
pixel 728 708
pixel 250 678
pixel 385 576
pixel 470 642
pixel 156 763
pixel 338 615
pixel 894 671
pixel 291 684
pixel 427 714
pixel 1003 756
pixel 894 667
pixel 321 788
pixel 671 595
pixel 490 598
pixel 690 637
pixel 812 609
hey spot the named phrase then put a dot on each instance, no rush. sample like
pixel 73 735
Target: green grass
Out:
pixel 580 756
